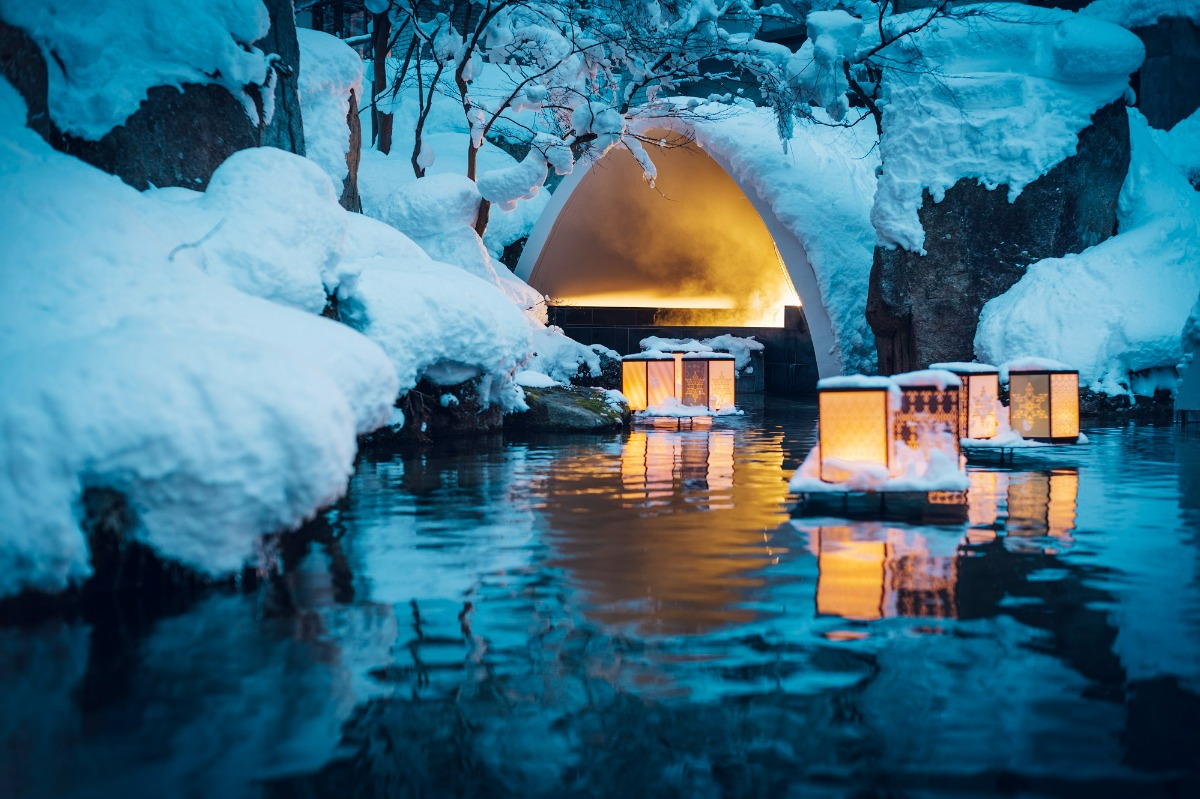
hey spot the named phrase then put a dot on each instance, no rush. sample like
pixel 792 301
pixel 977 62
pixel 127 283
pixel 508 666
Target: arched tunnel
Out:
pixel 692 255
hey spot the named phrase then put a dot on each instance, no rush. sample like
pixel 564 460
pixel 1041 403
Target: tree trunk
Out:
pixel 381 124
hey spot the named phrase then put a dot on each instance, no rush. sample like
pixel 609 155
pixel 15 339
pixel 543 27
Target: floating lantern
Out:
pixel 708 380
pixel 648 379
pixel 1043 402
pixel 979 399
pixel 699 379
pixel 855 423
pixel 928 418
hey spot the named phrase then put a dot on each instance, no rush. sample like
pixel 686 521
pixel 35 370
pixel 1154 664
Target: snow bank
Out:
pixel 329 70
pixel 821 191
pixel 999 97
pixel 915 472
pixel 1140 13
pixel 1181 145
pixel 219 416
pixel 102 56
pixel 1117 307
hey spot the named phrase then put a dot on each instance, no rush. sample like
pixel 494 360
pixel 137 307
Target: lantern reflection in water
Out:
pixel 1043 503
pixel 869 571
pixel 655 463
pixel 1044 404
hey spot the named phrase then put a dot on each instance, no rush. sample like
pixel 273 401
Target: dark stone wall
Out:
pixel 21 63
pixel 286 130
pixel 1168 84
pixel 925 308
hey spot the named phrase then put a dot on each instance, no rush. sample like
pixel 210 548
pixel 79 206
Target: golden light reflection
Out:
pixel 693 242
pixel 1042 503
pixel 690 558
pixel 869 571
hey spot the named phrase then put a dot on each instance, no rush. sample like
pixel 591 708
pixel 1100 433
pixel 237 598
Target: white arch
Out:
pixel 791 251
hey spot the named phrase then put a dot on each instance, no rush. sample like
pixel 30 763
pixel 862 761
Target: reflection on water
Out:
pixel 639 615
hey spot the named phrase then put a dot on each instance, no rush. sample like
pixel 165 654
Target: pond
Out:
pixel 641 615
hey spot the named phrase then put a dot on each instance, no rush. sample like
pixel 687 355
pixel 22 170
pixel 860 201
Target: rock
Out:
pixel 925 309
pixel 22 65
pixel 285 130
pixel 1166 86
pixel 610 372
pixel 178 136
pixel 351 200
pixel 567 410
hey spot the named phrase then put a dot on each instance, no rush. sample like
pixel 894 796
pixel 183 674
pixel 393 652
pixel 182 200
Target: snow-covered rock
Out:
pixel 1119 306
pixel 329 71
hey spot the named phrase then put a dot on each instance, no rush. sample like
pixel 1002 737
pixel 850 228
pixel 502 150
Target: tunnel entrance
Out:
pixel 690 256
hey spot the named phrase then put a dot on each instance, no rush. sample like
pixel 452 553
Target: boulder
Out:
pixel 610 372
pixel 1166 85
pixel 563 409
pixel 925 308
pixel 178 136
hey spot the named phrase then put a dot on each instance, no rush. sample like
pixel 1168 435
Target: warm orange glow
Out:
pixel 1044 405
pixel 693 241
pixel 850 578
pixel 1064 491
pixel 1043 503
pixel 634 383
pixel 980 404
pixel 660 384
pixel 855 425
pixel 983 497
pixel 1064 405
pixel 928 419
pixel 722 382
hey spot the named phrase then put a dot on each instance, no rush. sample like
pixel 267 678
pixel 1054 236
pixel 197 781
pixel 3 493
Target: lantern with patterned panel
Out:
pixel 855 423
pixel 1043 400
pixel 928 417
pixel 709 380
pixel 979 399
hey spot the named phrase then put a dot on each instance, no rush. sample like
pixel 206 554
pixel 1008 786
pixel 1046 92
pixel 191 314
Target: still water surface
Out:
pixel 640 615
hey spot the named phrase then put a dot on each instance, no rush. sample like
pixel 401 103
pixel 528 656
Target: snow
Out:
pixel 218 415
pixel 673 407
pixel 915 472
pixel 329 70
pixel 530 379
pixel 857 381
pixel 1140 13
pixel 941 379
pixel 832 39
pixel 965 367
pixel 102 56
pixel 1031 363
pixel 561 358
pixel 1117 307
pixel 660 344
pixel 1181 145
pixel 999 98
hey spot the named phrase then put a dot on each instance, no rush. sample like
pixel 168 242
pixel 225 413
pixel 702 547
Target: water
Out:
pixel 640 615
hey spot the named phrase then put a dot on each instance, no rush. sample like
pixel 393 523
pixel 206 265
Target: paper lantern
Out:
pixel 708 380
pixel 1043 404
pixel 979 398
pixel 928 417
pixel 648 379
pixel 855 423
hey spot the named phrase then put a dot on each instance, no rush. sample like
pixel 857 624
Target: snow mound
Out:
pixel 219 416
pixel 102 56
pixel 1181 145
pixel 1140 13
pixel 329 70
pixel 1117 307
pixel 999 97
pixel 915 472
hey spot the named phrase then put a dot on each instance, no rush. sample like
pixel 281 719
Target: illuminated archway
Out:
pixel 698 241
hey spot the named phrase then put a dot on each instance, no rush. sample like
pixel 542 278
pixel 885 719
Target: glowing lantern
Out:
pixel 928 417
pixel 708 380
pixel 979 400
pixel 647 379
pixel 855 423
pixel 1043 404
